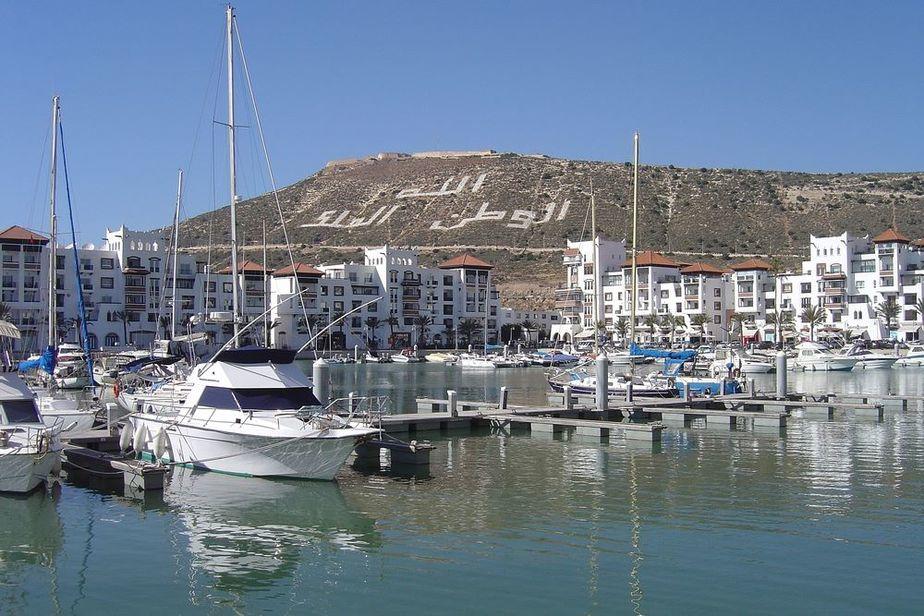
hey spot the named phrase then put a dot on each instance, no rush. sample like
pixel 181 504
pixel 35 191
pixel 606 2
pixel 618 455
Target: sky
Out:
pixel 809 86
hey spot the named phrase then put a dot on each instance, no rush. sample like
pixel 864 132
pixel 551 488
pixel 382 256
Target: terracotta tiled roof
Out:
pixel 648 258
pixel 303 269
pixel 702 268
pixel 752 264
pixel 465 260
pixel 891 235
pixel 20 234
pixel 247 266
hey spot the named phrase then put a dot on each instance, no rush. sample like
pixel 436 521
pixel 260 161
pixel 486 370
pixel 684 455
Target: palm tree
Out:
pixel 918 307
pixel 6 313
pixel 423 323
pixel 699 320
pixel 669 321
pixel 888 311
pixel 468 328
pixel 621 327
pixel 651 322
pixel 738 319
pixel 392 323
pixel 450 334
pixel 781 319
pixel 122 315
pixel 813 316
pixel 373 323
pixel 528 327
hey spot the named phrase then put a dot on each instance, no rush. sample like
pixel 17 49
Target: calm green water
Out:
pixel 827 519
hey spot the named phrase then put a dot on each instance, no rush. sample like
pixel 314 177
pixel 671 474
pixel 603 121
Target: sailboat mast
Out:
pixel 176 239
pixel 593 235
pixel 266 310
pixel 53 243
pixel 233 168
pixel 634 241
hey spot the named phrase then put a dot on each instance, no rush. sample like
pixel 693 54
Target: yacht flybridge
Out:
pixel 250 412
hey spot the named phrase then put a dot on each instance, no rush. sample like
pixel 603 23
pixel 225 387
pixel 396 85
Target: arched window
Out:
pixel 112 340
pixel 92 341
pixel 155 246
pixel 134 262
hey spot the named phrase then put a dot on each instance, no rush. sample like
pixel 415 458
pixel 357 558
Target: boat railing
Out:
pixel 369 409
pixel 37 437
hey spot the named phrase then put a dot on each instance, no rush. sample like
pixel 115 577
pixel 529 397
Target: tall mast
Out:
pixel 593 236
pixel 266 336
pixel 176 239
pixel 235 282
pixel 53 243
pixel 634 240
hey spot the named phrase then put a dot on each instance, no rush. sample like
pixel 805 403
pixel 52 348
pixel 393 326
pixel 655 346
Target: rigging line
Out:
pixel 38 177
pixel 81 306
pixel 269 170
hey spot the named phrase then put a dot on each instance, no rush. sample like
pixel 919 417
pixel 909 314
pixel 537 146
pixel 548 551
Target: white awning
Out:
pixel 8 330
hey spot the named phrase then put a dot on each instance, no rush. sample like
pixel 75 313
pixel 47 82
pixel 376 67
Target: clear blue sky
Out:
pixel 815 86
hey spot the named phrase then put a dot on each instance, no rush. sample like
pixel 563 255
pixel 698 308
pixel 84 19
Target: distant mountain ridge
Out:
pixel 518 211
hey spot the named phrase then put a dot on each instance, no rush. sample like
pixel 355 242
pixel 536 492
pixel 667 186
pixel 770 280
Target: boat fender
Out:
pixel 140 438
pixel 116 389
pixel 160 444
pixel 125 438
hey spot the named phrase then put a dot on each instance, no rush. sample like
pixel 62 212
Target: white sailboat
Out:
pixel 248 411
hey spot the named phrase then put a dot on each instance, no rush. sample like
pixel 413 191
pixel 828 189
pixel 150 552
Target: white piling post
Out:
pixel 603 381
pixel 751 388
pixel 502 403
pixel 356 353
pixel 453 403
pixel 320 373
pixel 569 401
pixel 629 386
pixel 781 389
pixel 352 402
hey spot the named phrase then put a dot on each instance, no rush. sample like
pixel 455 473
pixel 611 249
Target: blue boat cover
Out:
pixel 46 361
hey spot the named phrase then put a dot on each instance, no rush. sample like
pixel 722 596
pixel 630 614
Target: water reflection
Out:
pixel 248 533
pixel 31 535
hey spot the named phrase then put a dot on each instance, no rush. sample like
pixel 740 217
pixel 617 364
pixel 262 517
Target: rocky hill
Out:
pixel 517 211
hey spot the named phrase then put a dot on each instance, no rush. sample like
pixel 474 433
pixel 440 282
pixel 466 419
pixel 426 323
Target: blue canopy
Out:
pixel 46 361
pixel 682 356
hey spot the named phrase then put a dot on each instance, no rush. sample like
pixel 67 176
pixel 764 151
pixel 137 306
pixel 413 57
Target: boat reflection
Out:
pixel 31 537
pixel 248 533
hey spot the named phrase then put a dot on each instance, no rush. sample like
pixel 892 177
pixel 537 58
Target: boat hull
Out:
pixel 249 455
pixel 827 365
pixel 23 472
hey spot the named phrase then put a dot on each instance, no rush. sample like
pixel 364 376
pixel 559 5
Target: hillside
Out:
pixel 517 211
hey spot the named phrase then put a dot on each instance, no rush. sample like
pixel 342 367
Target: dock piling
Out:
pixel 569 401
pixel 781 389
pixel 502 401
pixel 603 381
pixel 453 403
pixel 320 373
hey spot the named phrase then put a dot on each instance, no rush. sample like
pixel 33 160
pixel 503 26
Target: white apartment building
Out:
pixel 419 305
pixel 846 277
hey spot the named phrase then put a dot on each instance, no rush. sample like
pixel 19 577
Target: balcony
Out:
pixel 410 282
pixel 834 276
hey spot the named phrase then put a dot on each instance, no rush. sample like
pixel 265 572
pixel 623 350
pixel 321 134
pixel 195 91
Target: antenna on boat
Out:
pixel 232 163
pixel 634 242
pixel 53 231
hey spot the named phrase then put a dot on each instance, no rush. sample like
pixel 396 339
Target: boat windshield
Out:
pixel 19 411
pixel 259 399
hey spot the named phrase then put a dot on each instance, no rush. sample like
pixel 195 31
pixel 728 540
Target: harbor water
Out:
pixel 825 518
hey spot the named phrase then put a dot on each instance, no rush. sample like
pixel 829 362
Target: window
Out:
pixel 608 297
pixel 806 287
pixel 717 292
pixel 133 262
pixel 820 269
pixel 226 287
pixel 338 291
pixel 859 267
pixel 911 299
pixel 716 305
pixel 787 287
pixel 112 340
pixel 717 319
pixel 106 263
pixel 105 283
pixel 861 284
pixel 20 411
pixel 806 302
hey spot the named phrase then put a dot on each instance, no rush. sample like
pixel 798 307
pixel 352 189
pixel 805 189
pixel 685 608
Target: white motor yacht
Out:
pixel 867 359
pixel 814 356
pixel 913 358
pixel 250 412
pixel 726 360
pixel 29 450
pixel 470 360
